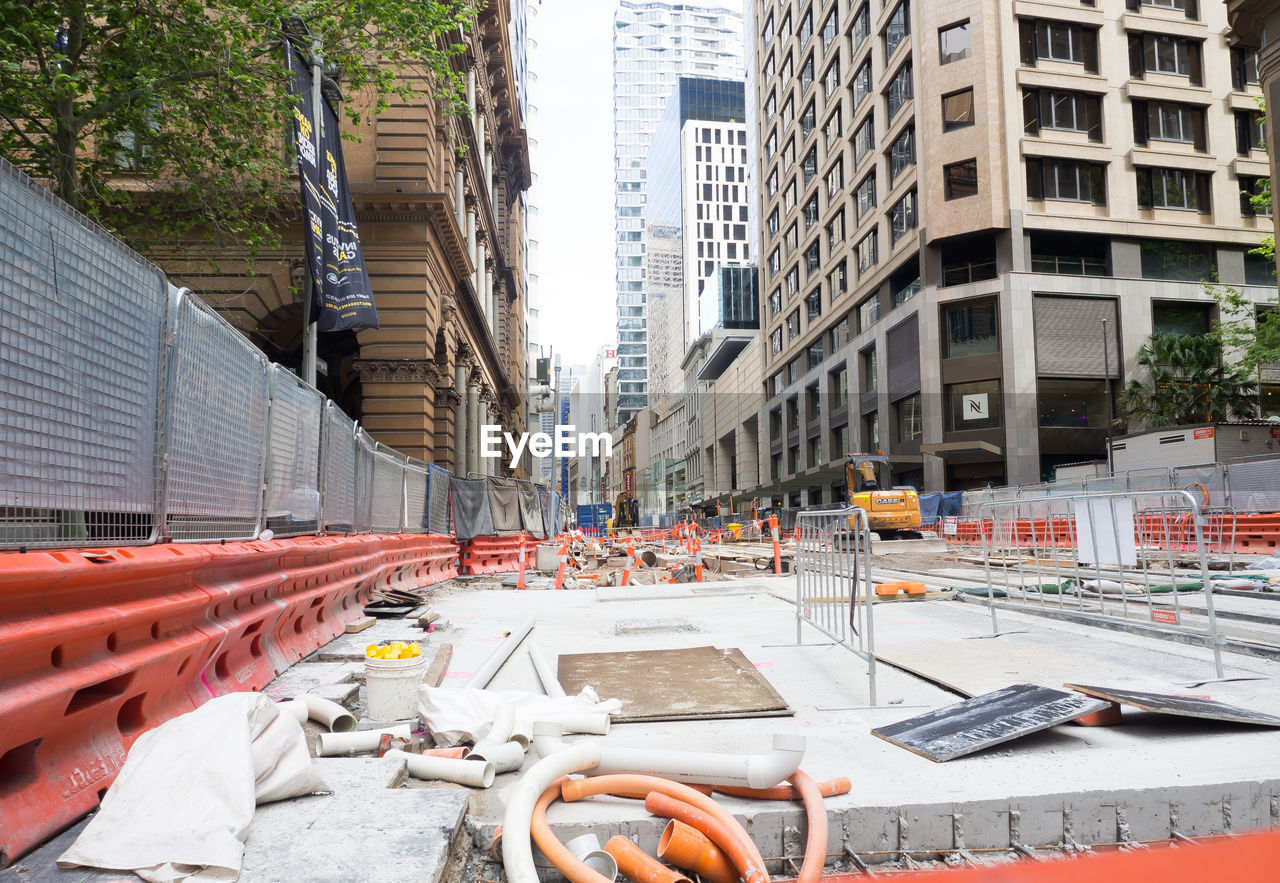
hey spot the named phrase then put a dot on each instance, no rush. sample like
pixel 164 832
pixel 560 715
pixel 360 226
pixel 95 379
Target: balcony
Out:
pixel 1062 265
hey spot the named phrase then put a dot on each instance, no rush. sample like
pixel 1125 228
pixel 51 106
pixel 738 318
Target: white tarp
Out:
pixel 181 806
pixel 456 715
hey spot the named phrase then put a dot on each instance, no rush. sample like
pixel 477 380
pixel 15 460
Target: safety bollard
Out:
pixel 564 563
pixel 697 560
pixel 520 578
pixel 777 548
pixel 626 571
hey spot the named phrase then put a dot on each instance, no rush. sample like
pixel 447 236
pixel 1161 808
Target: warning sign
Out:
pixel 950 525
pixel 1168 617
pixel 1206 432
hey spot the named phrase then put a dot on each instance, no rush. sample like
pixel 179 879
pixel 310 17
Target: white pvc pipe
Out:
pixel 504 721
pixel 474 774
pixel 550 683
pixel 507 757
pixel 692 767
pixel 593 723
pixel 517 850
pixel 522 732
pixel 484 674
pixel 320 710
pixel 365 740
pixel 586 849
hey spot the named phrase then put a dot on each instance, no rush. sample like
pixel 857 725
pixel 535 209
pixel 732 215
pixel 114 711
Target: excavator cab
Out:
pixel 891 511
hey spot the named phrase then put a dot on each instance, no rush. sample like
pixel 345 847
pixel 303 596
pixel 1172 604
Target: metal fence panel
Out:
pixel 438 500
pixel 292 498
pixel 1208 481
pixel 386 514
pixel 834 593
pixel 216 426
pixel 1255 485
pixel 80 376
pixel 415 497
pixel 339 478
pixel 1156 479
pixel 1119 556
pixel 364 481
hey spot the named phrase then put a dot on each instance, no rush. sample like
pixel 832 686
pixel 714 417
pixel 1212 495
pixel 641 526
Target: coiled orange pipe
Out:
pixel 716 831
pixel 638 865
pixel 815 847
pixel 556 852
pixel 830 788
pixel 576 789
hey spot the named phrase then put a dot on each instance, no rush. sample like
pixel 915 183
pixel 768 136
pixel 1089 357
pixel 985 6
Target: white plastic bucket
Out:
pixel 391 688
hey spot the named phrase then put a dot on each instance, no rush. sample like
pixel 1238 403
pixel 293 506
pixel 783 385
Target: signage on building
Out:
pixel 1206 432
pixel 627 480
pixel 974 407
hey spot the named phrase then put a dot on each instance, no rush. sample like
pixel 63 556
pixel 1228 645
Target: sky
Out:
pixel 575 176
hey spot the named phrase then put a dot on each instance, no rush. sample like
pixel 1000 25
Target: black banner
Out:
pixel 341 295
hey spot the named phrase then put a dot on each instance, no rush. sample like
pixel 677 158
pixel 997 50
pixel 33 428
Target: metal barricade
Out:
pixel 386 513
pixel 438 500
pixel 415 496
pixel 1105 557
pixel 291 498
pixel 338 475
pixel 215 427
pixel 81 376
pixel 834 593
pixel 364 481
pixel 1254 485
pixel 1209 480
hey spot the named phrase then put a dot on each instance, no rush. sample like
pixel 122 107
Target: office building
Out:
pixel 655 43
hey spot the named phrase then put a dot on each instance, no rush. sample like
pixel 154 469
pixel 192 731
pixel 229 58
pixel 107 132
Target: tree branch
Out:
pixel 26 139
pixel 101 110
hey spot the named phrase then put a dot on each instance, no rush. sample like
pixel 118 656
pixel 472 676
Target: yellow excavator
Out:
pixel 892 512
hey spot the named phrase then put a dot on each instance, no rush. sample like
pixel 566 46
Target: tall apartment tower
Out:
pixel 654 44
pixel 955 197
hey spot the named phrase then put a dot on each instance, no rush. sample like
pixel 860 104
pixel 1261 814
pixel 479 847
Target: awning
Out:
pixel 962 447
pixel 722 356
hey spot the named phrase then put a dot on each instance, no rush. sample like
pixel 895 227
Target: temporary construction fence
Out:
pixel 1107 556
pixel 834 593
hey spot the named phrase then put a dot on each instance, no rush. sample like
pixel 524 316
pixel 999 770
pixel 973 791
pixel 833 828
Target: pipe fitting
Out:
pixel 591 723
pixel 587 850
pixel 322 711
pixel 504 721
pixel 517 846
pixel 507 757
pixel 547 738
pixel 331 744
pixel 636 864
pixel 446 769
pixel 686 847
pixel 751 770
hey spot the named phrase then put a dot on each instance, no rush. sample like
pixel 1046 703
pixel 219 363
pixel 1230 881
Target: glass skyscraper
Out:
pixel 654 44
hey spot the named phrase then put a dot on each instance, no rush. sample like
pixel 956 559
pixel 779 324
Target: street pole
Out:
pixel 1106 363
pixel 308 326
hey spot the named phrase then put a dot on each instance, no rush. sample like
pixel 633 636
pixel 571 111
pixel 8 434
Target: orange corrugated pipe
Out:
pixel 830 788
pixel 641 867
pixel 815 847
pixel 715 830
pixel 446 752
pixel 576 789
pixel 556 852
pixel 687 847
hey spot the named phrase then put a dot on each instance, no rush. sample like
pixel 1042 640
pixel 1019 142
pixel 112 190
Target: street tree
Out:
pixel 167 118
pixel 1186 382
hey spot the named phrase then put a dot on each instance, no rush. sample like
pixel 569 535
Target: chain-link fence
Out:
pixel 131 412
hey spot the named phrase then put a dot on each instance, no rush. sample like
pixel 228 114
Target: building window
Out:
pixel 1165 54
pixel 1072 404
pixel 1255 196
pixel 1244 67
pixel 806 74
pixel 1067 180
pixel 768 68
pixel 1167 121
pixel 1185 6
pixel 839 333
pixel 829 30
pixel 788 157
pixel 899 89
pixel 1177 261
pixel 811 211
pixel 864 139
pixel 813 304
pixel 903 216
pixel 957 110
pixel 868 315
pixel 775 263
pixel 862 83
pixel 775 341
pixel 806 27
pixel 835 179
pixel 773 221
pixel 867 253
pixel 771 146
pixel 972 330
pixel 771 106
pixel 835 231
pixel 767 34
pixel 961 179
pixel 831 79
pixel 1173 188
pixel 861 26
pixel 1065 111
pixel 772 184
pixel 902 154
pixel 775 302
pixel 1058 41
pixel 815 354
pixel 1183 319
pixel 810 165
pixel 791 240
pixel 808 120
pixel 910 419
pixel 793 281
pixel 865 195
pixel 871 432
pixel 973 405
pixel 832 131
pixel 789 197
pixel 904 282
pixel 793 324
pixel 1251 132
pixel 813 258
pixel 954 43
pixel 898 28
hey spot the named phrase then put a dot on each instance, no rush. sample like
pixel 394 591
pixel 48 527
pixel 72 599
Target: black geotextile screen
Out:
pixel 504 505
pixel 471 516
pixel 530 510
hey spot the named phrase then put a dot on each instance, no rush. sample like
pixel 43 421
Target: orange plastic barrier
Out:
pixel 98 646
pixel 1253 534
pixel 495 554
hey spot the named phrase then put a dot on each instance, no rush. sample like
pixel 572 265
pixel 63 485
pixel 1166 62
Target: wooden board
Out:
pixel 694 683
pixel 1183 706
pixel 976 666
pixel 983 721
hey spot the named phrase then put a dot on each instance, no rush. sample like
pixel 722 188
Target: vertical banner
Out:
pixel 342 298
